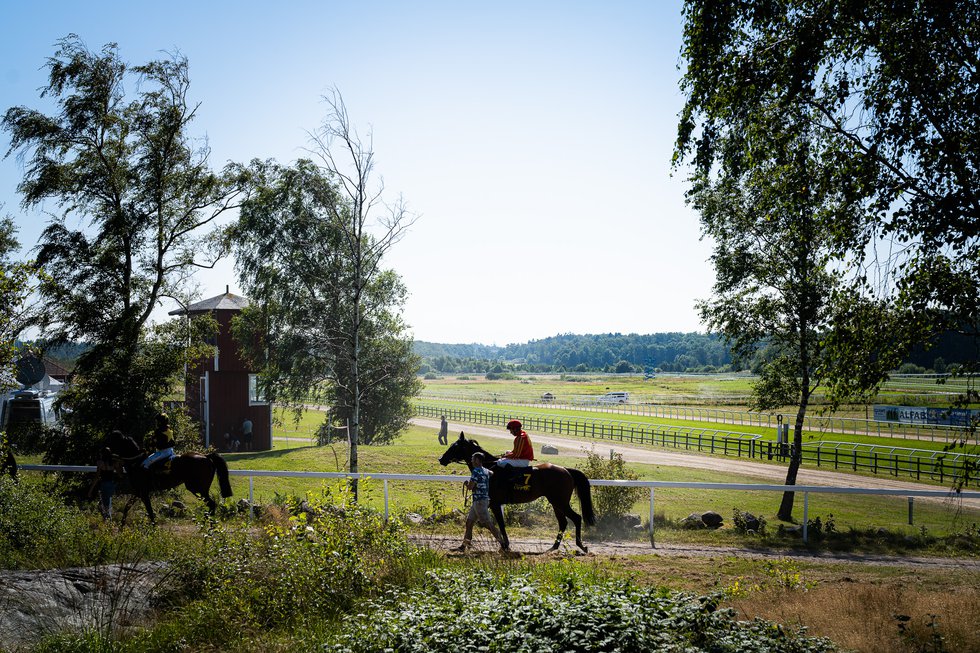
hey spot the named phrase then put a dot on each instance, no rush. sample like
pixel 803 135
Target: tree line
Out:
pixel 611 352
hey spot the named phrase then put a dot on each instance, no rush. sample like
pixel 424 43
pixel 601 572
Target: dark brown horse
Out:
pixel 526 484
pixel 194 471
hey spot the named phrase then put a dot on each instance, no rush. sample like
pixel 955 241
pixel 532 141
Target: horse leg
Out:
pixel 562 525
pixel 498 513
pixel 149 507
pixel 577 520
pixel 125 510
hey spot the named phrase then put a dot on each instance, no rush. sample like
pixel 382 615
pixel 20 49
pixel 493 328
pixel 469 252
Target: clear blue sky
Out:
pixel 534 138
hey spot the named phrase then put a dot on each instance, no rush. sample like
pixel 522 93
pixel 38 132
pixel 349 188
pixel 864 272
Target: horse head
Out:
pixel 460 451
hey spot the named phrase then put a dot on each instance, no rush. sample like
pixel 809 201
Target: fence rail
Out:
pixel 648 406
pixel 806 490
pixel 918 464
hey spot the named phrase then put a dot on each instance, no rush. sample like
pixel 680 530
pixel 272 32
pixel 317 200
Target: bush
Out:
pixel 455 613
pixel 611 503
pixel 313 561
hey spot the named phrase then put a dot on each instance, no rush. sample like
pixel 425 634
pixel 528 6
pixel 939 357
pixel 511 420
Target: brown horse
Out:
pixel 552 482
pixel 194 471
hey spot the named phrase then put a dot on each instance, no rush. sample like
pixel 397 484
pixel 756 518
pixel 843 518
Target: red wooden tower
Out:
pixel 221 392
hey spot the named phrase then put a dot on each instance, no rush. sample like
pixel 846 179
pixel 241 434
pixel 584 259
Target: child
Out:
pixel 479 483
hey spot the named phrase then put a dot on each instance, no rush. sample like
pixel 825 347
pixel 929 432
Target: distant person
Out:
pixel 162 441
pixel 247 434
pixel 444 432
pixel 106 474
pixel 479 484
pixel 226 441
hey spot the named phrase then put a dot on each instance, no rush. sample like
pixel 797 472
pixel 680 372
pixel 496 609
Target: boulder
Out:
pixel 692 521
pixel 712 519
pixel 549 449
pixel 751 522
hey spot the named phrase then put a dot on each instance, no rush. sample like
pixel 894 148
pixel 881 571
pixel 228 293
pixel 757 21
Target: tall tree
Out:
pixel 310 247
pixel 893 89
pixel 15 315
pixel 771 220
pixel 136 201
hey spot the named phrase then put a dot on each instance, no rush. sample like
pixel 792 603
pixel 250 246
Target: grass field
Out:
pixel 417 452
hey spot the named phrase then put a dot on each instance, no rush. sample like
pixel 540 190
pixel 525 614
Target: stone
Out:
pixel 692 521
pixel 38 603
pixel 414 518
pixel 751 522
pixel 712 519
pixel 549 449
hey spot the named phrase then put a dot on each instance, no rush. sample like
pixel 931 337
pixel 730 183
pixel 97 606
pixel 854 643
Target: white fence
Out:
pixel 806 490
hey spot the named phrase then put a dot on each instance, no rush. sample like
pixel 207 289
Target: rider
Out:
pixel 162 440
pixel 522 453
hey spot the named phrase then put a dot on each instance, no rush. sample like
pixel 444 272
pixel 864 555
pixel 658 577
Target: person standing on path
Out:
pixel 444 432
pixel 479 483
pixel 247 434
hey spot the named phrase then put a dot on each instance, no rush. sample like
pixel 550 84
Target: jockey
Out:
pixel 162 441
pixel 522 453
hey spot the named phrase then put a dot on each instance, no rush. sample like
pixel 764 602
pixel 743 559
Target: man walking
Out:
pixel 444 432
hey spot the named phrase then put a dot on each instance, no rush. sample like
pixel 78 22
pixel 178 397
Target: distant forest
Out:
pixel 610 352
pixel 665 352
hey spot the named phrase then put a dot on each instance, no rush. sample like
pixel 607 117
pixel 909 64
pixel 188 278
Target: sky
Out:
pixel 533 140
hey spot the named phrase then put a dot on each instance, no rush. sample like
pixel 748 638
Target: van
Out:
pixel 615 398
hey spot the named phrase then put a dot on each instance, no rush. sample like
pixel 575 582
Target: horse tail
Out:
pixel 584 489
pixel 221 467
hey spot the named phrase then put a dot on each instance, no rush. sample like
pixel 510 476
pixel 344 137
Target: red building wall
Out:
pixel 217 392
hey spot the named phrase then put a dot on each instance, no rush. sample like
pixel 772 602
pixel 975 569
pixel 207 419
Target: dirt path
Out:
pixel 485 545
pixel 769 473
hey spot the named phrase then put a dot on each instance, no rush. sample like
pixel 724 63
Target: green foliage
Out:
pixel 329 329
pixel 325 553
pixel 880 87
pixel 742 523
pixel 136 198
pixel 453 613
pixel 38 531
pixel 611 503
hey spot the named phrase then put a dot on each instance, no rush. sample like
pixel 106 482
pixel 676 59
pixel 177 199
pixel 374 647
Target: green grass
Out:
pixel 766 433
pixel 417 452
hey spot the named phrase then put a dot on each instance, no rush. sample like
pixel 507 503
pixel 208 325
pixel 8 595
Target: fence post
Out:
pixel 806 515
pixel 251 494
pixel 653 544
pixel 911 502
pixel 386 498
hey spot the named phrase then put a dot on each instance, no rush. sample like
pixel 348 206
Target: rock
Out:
pixel 549 449
pixel 751 522
pixel 631 521
pixel 692 521
pixel 712 519
pixel 414 518
pixel 38 603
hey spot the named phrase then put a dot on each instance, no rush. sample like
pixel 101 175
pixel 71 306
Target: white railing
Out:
pixel 653 485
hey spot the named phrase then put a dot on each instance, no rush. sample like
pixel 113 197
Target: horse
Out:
pixel 554 483
pixel 194 470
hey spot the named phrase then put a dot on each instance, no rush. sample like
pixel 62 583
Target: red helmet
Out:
pixel 514 423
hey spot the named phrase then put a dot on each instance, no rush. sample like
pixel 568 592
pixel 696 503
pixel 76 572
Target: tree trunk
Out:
pixel 796 458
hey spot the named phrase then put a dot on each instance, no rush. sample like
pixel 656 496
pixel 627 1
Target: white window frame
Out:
pixel 254 399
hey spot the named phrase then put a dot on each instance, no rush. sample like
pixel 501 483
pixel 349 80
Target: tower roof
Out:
pixel 223 302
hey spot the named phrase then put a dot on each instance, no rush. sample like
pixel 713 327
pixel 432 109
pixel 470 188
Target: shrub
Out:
pixel 455 613
pixel 611 503
pixel 310 564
